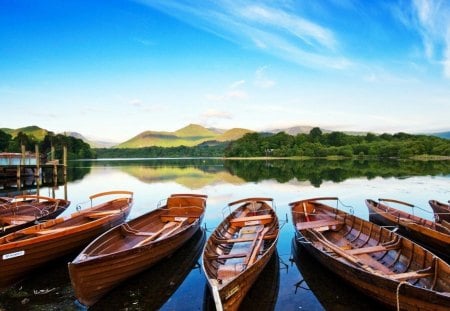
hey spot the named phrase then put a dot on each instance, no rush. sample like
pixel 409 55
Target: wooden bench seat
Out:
pixel 318 224
pixel 95 215
pixel 410 275
pixel 252 220
pixel 369 249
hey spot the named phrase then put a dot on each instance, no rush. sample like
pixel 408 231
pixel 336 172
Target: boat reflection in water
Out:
pixel 152 288
pixel 262 295
pixel 332 292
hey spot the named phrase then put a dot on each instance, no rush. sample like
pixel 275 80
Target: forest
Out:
pixel 317 144
pixel 76 148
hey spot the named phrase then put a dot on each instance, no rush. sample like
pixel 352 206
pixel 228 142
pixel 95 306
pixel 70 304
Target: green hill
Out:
pixel 191 135
pixel 233 134
pixel 36 131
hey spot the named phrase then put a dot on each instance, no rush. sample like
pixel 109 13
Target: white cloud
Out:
pixel 213 113
pixel 267 26
pixel 230 95
pixel 433 25
pixel 237 84
pixel 261 78
pixel 136 103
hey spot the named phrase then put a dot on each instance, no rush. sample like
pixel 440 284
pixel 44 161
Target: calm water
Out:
pixel 288 283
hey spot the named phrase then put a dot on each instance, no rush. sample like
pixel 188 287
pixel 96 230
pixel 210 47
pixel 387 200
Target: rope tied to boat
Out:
pixel 398 293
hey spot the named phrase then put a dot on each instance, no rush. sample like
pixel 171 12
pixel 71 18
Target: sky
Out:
pixel 112 69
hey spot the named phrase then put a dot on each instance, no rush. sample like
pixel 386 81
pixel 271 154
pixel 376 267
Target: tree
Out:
pixel 315 134
pixel 5 138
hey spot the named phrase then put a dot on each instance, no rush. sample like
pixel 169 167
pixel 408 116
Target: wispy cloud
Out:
pixel 264 25
pixel 431 20
pixel 234 92
pixel 217 114
pixel 262 80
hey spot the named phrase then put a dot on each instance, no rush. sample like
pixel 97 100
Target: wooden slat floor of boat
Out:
pixel 234 263
pixel 318 223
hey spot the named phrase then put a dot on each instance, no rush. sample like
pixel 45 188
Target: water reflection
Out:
pixel 332 292
pixel 198 173
pixel 263 294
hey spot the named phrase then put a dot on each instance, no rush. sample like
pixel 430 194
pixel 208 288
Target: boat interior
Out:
pixel 372 248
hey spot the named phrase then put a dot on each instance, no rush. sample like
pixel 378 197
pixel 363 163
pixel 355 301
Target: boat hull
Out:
pixel 435 241
pixel 382 289
pixel 17 261
pixel 93 279
pixel 137 245
pixel 227 290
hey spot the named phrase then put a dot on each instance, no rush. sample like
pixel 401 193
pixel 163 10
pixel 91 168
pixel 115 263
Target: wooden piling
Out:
pixel 38 160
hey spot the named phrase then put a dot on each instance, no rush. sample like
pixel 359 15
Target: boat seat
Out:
pixel 410 275
pixel 178 217
pixel 370 249
pixel 96 215
pixel 319 225
pixel 252 220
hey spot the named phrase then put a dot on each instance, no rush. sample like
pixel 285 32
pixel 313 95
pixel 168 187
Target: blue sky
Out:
pixel 112 69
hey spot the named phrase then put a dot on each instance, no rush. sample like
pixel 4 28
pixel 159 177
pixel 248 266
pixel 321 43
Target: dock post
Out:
pixel 22 158
pixel 65 159
pixel 38 161
pixel 52 153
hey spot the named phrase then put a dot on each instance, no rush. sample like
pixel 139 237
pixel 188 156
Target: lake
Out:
pixel 288 283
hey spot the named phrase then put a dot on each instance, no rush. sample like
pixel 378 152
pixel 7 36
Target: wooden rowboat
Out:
pixel 239 249
pixel 135 246
pixel 29 248
pixel 26 210
pixel 431 235
pixel 441 211
pixel 380 263
pixel 152 288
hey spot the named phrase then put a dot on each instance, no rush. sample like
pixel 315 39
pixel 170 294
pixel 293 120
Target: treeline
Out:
pixel 319 145
pixel 76 148
pixel 163 152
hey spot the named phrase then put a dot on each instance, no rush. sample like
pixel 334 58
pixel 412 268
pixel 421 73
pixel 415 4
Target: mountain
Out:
pixel 36 131
pixel 92 143
pixel 191 135
pixel 445 135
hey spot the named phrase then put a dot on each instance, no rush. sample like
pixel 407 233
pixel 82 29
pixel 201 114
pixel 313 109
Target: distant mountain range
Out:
pixel 191 135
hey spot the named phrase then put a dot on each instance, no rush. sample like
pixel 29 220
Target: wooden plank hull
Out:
pixel 119 254
pixel 380 263
pixel 441 210
pixel 228 292
pixel 422 231
pixel 30 248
